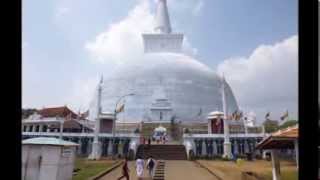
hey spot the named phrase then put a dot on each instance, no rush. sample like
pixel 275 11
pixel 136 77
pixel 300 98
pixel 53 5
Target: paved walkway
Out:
pixel 186 170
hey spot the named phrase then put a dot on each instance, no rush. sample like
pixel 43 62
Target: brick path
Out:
pixel 174 169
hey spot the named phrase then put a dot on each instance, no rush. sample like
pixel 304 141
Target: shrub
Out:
pixel 137 131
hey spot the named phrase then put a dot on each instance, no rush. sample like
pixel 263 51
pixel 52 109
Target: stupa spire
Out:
pixel 162 40
pixel 162 20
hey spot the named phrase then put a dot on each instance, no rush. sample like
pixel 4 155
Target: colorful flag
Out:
pixel 200 112
pixel 285 115
pixel 241 115
pixel 267 115
pixel 234 115
pixel 120 109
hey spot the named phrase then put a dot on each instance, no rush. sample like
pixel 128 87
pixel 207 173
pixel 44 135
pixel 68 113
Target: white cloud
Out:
pixel 186 6
pixel 267 80
pixel 122 41
pixel 61 11
pixel 82 93
pixel 197 8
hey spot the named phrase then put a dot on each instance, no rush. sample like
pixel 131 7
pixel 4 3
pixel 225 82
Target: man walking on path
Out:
pixel 139 167
pixel 125 170
pixel 150 166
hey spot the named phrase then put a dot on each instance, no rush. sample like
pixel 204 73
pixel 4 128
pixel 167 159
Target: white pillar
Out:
pixel 214 145
pixel 61 129
pixel 275 165
pixel 209 126
pixel 48 129
pixel 204 150
pixel 110 147
pixel 41 128
pixel 79 147
pixel 33 128
pixel 236 147
pixel 263 130
pixel 226 143
pixel 245 129
pixel 296 148
pixel 96 146
pixel 246 146
pixel 121 144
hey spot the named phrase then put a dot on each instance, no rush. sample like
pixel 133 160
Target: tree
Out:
pixel 25 113
pixel 288 124
pixel 271 126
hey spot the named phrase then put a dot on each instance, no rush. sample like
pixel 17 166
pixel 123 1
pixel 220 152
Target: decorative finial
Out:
pixel 101 79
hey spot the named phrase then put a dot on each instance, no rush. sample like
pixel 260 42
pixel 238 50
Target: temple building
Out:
pixel 164 88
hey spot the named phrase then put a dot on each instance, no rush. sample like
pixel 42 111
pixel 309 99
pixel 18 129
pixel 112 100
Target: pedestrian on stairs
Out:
pixel 150 166
pixel 139 167
pixel 125 170
pixel 149 142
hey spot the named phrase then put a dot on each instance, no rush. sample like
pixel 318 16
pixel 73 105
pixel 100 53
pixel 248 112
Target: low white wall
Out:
pixel 46 162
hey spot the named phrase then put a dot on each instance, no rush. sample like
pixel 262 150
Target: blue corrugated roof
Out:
pixel 48 141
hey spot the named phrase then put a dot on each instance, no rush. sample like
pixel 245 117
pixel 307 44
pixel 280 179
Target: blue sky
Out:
pixel 61 46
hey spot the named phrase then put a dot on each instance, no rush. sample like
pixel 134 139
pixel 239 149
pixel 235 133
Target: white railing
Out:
pixel 81 134
pixel 242 135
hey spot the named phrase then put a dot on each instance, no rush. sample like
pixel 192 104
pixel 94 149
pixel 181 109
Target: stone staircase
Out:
pixel 165 152
pixel 159 171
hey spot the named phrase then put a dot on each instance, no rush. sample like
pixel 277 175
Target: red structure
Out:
pixel 217 126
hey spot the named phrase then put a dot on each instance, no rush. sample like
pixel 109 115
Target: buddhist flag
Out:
pixel 239 115
pixel 200 112
pixel 233 116
pixel 267 115
pixel 285 115
pixel 120 109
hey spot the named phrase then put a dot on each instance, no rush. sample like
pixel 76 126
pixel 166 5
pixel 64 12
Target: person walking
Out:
pixel 150 166
pixel 125 170
pixel 139 167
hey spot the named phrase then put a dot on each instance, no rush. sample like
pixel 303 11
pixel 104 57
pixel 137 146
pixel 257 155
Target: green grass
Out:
pixel 285 175
pixel 89 168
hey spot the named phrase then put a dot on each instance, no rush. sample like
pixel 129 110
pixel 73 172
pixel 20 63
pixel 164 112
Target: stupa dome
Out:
pixel 167 84
pixel 173 84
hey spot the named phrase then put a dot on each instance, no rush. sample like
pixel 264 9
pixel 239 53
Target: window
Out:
pixel 37 128
pixel 45 127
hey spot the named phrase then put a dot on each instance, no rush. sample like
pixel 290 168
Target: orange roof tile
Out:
pixel 63 111
pixel 280 139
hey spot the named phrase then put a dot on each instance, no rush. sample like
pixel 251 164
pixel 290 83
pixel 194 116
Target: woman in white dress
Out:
pixel 139 167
